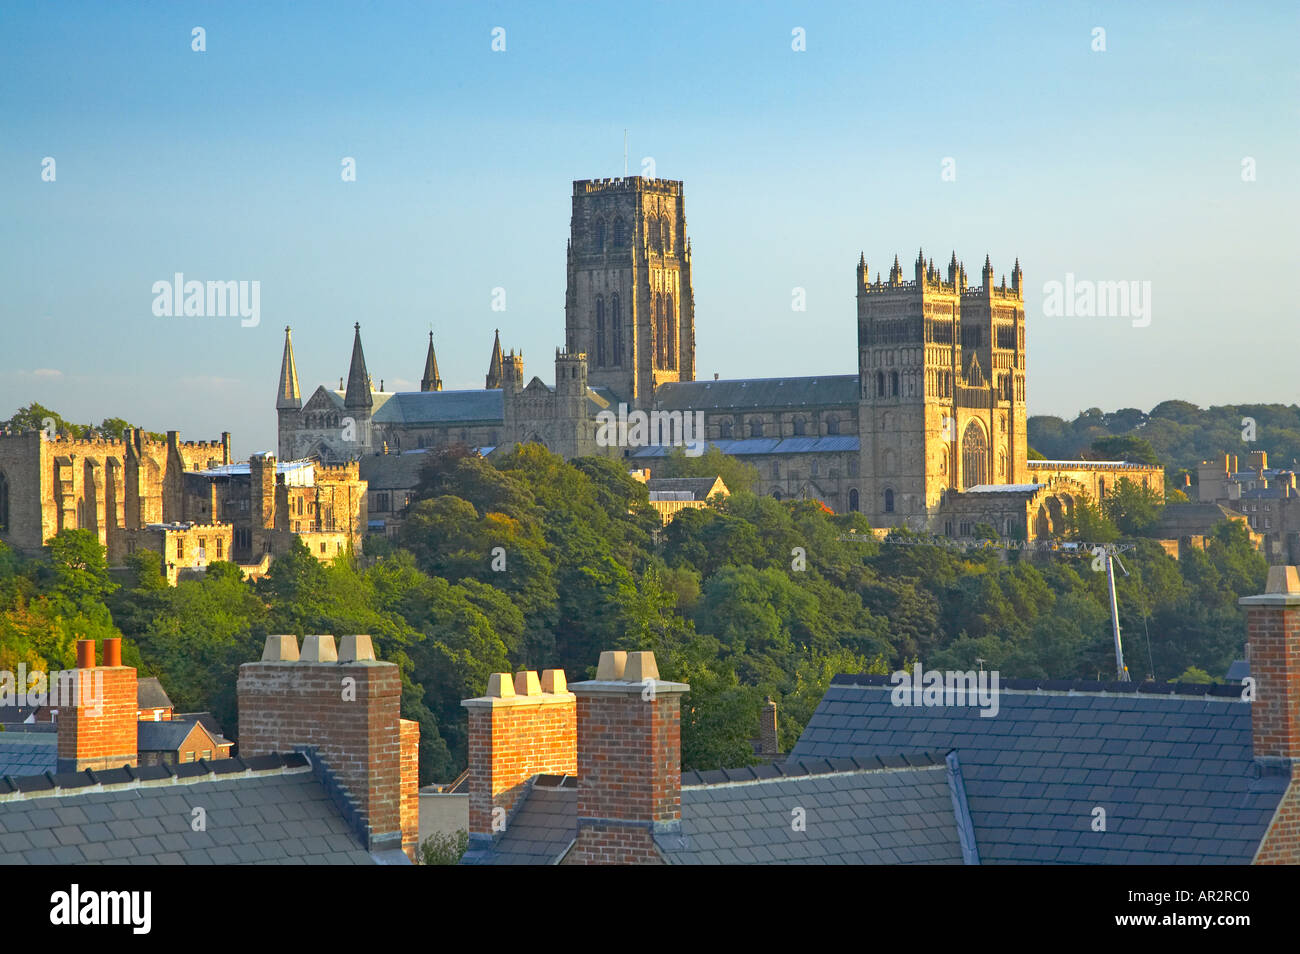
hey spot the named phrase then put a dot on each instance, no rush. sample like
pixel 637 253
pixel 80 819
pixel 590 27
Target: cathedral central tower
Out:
pixel 629 303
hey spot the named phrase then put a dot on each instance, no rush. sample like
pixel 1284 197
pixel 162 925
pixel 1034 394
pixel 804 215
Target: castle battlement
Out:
pixel 627 184
pixel 349 470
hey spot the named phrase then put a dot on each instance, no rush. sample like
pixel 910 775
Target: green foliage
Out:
pixel 528 561
pixel 735 473
pixel 443 848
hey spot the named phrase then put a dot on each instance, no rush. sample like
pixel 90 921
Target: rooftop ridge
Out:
pixel 1069 687
pixel 68 784
pixel 807 767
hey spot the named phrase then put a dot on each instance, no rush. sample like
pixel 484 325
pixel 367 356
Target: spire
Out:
pixel 494 365
pixel 288 397
pixel 431 381
pixel 358 393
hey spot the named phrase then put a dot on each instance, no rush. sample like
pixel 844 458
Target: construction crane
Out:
pixel 1107 552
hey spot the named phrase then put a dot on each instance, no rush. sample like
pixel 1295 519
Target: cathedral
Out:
pixel 928 433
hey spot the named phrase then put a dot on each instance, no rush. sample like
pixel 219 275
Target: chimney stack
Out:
pixel 768 746
pixel 1273 627
pixel 346 705
pixel 629 761
pixel 521 727
pixel 98 711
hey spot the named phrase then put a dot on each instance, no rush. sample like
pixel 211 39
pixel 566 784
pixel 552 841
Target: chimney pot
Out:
pixel 610 667
pixel 319 649
pixel 1281 579
pixel 526 683
pixel 500 686
pixel 640 667
pixel 356 649
pixel 85 654
pixel 113 651
pixel 553 681
pixel 280 649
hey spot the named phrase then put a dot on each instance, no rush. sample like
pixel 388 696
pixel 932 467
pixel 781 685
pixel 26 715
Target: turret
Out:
pixel 288 396
pixel 358 396
pixel 988 273
pixel 512 372
pixel 494 371
pixel 431 381
pixel 1016 276
pixel 919 266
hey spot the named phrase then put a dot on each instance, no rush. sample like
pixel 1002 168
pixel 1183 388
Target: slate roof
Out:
pixel 697 487
pixel 266 810
pixel 151 695
pixel 28 753
pixel 393 471
pixel 819 391
pixel 1171 765
pixel 749 446
pixel 443 407
pixel 166 736
pixel 893 811
pixel 881 816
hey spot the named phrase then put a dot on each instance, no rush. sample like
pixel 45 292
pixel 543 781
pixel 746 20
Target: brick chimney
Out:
pixel 629 761
pixel 522 727
pixel 1273 627
pixel 346 705
pixel 98 711
pixel 768 745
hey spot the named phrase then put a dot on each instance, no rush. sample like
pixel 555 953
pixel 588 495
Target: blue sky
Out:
pixel 1122 165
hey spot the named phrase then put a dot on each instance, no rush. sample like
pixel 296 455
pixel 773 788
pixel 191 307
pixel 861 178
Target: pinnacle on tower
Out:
pixel 494 364
pixel 358 392
pixel 288 397
pixel 431 381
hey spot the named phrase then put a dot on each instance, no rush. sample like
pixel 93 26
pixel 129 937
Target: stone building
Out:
pixel 929 432
pixel 185 500
pixel 1265 497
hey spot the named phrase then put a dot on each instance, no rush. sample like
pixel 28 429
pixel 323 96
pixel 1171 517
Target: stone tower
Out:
pixel 629 303
pixel 288 400
pixel 942 378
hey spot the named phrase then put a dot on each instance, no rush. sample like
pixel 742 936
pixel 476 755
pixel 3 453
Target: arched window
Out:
pixel 799 427
pixel 755 427
pixel 832 425
pixel 620 232
pixel 889 501
pixel 853 499
pixel 654 233
pixel 776 470
pixel 616 332
pixel 4 504
pixel 724 429
pixel 600 235
pixel 668 236
pixel 974 456
pixel 600 332
pixel 893 384
pixel 1101 487
pixel 880 384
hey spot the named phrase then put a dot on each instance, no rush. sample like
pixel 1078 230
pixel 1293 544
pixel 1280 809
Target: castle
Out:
pixel 185 500
pixel 928 433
